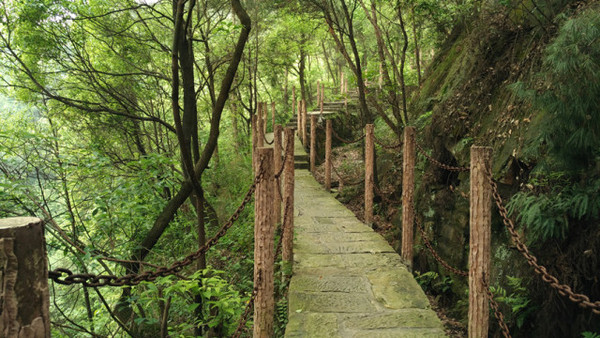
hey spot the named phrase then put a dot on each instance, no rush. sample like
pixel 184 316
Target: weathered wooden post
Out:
pixel 408 189
pixel 313 143
pixel 299 119
pixel 264 235
pixel 254 127
pixel 322 98
pixel 277 162
pixel 273 116
pixel 265 112
pixel 479 241
pixel 287 253
pixel 341 82
pixel 369 172
pixel 328 155
pixel 25 299
pixel 304 117
pixel 259 127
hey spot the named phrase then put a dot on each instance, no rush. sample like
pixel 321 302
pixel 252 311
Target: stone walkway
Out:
pixel 347 281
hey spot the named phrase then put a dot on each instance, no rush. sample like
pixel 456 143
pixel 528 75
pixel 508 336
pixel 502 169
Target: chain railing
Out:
pixel 496 308
pixel 67 277
pixel 440 164
pixel 249 307
pixel 563 289
pixel 384 197
pixel 387 146
pixel 360 138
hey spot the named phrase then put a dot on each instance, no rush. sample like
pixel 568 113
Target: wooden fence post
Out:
pixel 299 119
pixel 341 82
pixel 408 189
pixel 25 302
pixel 273 116
pixel 304 136
pixel 264 235
pixel 277 162
pixel 287 253
pixel 479 241
pixel 369 171
pixel 322 98
pixel 313 143
pixel 328 155
pixel 259 127
pixel 264 117
pixel 254 127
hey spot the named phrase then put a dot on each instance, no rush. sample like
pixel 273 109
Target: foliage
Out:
pixel 432 281
pixel 516 298
pixel 548 215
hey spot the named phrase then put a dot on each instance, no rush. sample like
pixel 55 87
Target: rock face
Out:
pixel 347 280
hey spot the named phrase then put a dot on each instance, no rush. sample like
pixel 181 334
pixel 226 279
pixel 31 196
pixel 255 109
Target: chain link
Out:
pixel 249 307
pixel 385 198
pixel 432 250
pixel 344 140
pixel 563 289
pixel 440 164
pixel 387 146
pixel 497 313
pixel 344 181
pixel 92 280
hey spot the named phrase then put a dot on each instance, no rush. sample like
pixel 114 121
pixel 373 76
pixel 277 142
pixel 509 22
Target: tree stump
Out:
pixel 25 302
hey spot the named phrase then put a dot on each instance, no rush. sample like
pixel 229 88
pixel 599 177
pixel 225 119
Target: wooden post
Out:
pixel 277 162
pixel 273 116
pixel 341 82
pixel 264 235
pixel 313 143
pixel 254 128
pixel 304 136
pixel 299 119
pixel 259 127
pixel 369 172
pixel 328 155
pixel 322 98
pixel 408 189
pixel 264 117
pixel 287 253
pixel 479 241
pixel 25 301
pixel 318 92
pixel 293 98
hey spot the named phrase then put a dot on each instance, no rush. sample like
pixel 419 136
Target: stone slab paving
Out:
pixel 347 280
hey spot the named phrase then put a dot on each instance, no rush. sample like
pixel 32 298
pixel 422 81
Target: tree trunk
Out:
pixel 25 302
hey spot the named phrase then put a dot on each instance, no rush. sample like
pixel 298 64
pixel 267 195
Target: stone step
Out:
pixel 301 165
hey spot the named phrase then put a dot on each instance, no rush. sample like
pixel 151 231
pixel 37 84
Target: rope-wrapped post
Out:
pixel 408 189
pixel 259 126
pixel 288 202
pixel 273 116
pixel 25 302
pixel 369 173
pixel 254 127
pixel 328 155
pixel 479 241
pixel 277 161
pixel 264 235
pixel 304 116
pixel 313 143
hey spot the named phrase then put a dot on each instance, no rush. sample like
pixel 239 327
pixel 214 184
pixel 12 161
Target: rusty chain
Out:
pixel 497 313
pixel 440 164
pixel 249 307
pixel 343 180
pixel 344 140
pixel 387 146
pixel 563 289
pixel 385 198
pixel 432 250
pixel 93 280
